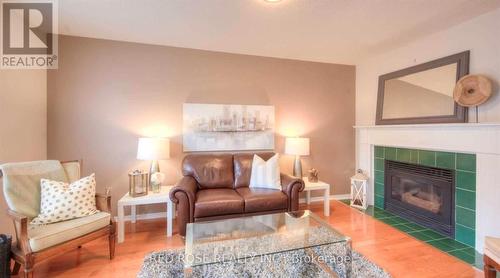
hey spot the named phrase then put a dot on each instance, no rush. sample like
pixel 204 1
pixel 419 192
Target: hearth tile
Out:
pixel 379 152
pixel 445 160
pixel 441 246
pixel 379 201
pixel 464 256
pixel 370 210
pixel 466 180
pixel 427 158
pixel 468 249
pixel 403 155
pixel 379 214
pixel 390 220
pixel 446 244
pixel 465 235
pixel 403 228
pixel 466 162
pixel 421 235
pixel 453 243
pixel 401 220
pixel 390 153
pixel 433 235
pixel 394 220
pixel 415 227
pixel 379 164
pixel 414 156
pixel 379 177
pixel 466 199
pixel 465 217
pixel 379 189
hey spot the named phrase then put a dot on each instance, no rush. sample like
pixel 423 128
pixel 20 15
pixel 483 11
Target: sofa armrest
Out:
pixel 292 186
pixel 21 228
pixel 103 202
pixel 289 182
pixel 183 194
pixel 187 185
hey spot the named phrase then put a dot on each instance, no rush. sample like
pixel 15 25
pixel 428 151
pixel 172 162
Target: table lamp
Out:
pixel 153 149
pixel 297 146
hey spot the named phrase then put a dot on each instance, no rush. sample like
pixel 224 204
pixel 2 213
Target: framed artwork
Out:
pixel 223 127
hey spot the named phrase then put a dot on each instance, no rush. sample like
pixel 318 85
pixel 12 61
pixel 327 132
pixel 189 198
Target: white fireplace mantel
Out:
pixel 482 139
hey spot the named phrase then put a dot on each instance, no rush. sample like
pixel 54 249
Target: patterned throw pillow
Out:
pixel 61 201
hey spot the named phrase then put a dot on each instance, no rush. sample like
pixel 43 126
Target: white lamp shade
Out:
pixel 153 149
pixel 297 146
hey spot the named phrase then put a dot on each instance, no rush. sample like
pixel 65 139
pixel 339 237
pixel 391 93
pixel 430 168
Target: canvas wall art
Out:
pixel 222 127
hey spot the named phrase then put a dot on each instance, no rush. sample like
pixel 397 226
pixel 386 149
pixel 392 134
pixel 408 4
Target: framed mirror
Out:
pixel 422 94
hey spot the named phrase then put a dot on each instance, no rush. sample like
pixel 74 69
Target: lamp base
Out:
pixel 297 167
pixel 155 168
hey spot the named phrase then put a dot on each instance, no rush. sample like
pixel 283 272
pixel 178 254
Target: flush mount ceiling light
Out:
pixel 272 1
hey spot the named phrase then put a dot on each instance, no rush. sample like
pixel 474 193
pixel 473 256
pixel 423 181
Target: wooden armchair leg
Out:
pixel 16 268
pixel 112 241
pixel 28 274
pixel 29 266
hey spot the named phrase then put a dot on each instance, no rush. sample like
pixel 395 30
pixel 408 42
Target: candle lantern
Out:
pixel 358 190
pixel 138 183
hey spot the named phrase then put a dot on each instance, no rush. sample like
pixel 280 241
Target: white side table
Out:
pixel 310 186
pixel 151 198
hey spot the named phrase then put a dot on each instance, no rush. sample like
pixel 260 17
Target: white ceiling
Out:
pixel 337 31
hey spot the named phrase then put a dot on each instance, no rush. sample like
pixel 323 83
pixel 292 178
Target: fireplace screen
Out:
pixel 422 194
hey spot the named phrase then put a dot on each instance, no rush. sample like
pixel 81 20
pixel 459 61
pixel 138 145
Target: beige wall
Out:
pixel 23 125
pixel 479 35
pixel 106 94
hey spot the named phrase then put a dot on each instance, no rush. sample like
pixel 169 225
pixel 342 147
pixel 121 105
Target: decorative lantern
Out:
pixel 138 183
pixel 358 190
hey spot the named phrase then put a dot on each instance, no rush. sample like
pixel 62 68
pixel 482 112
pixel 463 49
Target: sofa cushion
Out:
pixel 213 202
pixel 209 170
pixel 243 167
pixel 44 236
pixel 257 199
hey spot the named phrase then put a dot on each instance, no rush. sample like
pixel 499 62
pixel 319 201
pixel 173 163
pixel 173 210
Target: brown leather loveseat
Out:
pixel 215 186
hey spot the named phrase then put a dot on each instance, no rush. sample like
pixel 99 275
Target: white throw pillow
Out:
pixel 265 174
pixel 60 201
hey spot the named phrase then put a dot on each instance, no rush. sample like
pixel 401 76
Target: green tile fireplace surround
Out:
pixel 464 166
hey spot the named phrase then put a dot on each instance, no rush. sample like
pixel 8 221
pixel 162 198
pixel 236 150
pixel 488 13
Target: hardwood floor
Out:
pixel 398 253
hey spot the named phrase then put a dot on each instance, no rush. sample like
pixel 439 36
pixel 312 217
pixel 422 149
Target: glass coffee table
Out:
pixel 272 245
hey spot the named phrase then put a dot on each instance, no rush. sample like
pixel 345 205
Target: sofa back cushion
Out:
pixel 209 170
pixel 243 167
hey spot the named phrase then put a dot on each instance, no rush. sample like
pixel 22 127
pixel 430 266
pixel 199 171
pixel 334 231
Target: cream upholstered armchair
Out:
pixel 36 243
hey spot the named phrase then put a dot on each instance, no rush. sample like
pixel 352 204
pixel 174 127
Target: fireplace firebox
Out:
pixel 421 194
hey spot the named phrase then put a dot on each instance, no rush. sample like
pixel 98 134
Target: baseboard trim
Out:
pixel 145 216
pixel 332 197
pixel 156 215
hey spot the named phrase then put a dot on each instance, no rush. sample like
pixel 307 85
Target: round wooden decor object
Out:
pixel 472 90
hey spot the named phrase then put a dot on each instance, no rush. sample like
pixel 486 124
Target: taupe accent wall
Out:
pixel 23 125
pixel 107 94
